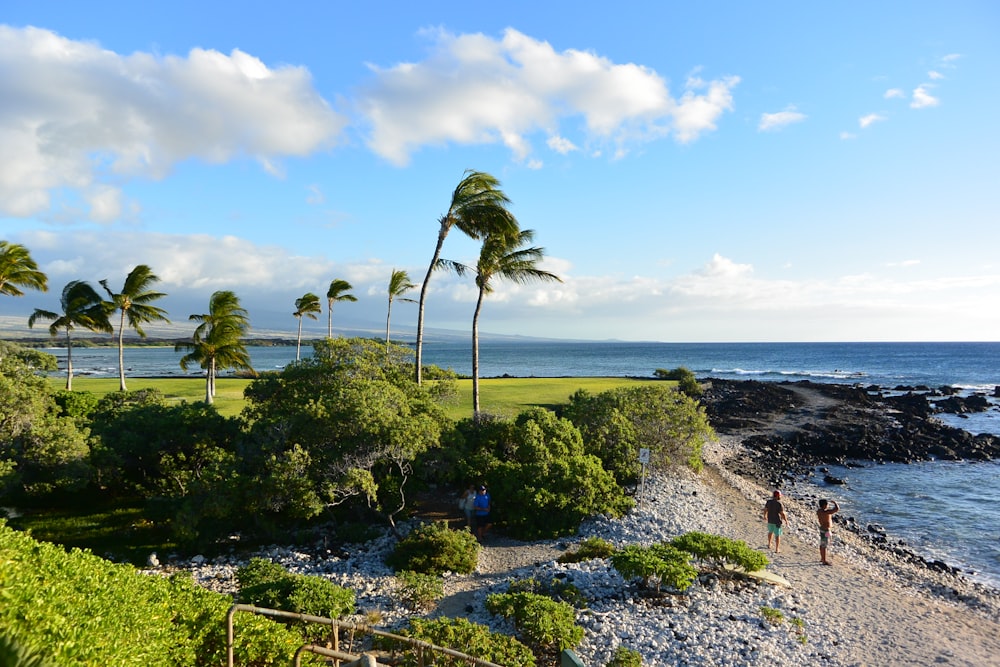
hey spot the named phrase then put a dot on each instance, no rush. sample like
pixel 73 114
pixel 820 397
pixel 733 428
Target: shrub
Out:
pixel 541 478
pixel 685 379
pixel 719 551
pixel 462 635
pixel 432 548
pixel 589 549
pixel 625 657
pixel 615 424
pixel 544 623
pixel 267 584
pixel 659 564
pixel 420 591
pixel 79 609
pixel 557 589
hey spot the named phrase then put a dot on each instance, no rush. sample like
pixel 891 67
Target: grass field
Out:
pixel 501 396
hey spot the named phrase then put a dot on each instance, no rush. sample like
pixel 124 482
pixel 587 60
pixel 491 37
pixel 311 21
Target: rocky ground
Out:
pixel 878 604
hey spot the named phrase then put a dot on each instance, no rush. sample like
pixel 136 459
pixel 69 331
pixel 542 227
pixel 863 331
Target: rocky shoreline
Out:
pixel 791 431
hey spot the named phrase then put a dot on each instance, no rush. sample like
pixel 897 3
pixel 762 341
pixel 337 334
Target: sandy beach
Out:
pixel 883 611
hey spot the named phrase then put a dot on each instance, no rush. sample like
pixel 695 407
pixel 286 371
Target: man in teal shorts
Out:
pixel 774 513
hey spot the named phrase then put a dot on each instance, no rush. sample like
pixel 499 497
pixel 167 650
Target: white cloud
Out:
pixel 76 113
pixel 848 135
pixel 894 94
pixel 870 119
pixel 904 263
pixel 473 89
pixel 779 120
pixel 922 97
pixel 315 195
pixel 934 76
pixel 561 145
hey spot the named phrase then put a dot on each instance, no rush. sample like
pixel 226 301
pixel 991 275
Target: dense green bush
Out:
pixel 543 623
pixel 419 591
pixel 589 549
pixel 625 657
pixel 470 638
pixel 684 378
pixel 433 548
pixel 557 589
pixel 267 584
pixel 615 424
pixel 658 565
pixel 719 551
pixel 43 453
pixel 73 608
pixel 542 482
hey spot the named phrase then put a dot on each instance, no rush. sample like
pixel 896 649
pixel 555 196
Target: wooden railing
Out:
pixel 335 652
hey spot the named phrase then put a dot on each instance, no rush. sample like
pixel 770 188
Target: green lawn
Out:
pixel 501 396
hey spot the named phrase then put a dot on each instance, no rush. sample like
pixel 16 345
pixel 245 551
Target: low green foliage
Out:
pixel 73 608
pixel 470 638
pixel 772 615
pixel 542 622
pixel 267 584
pixel 589 549
pixel 433 548
pixel 419 591
pixel 719 551
pixel 557 589
pixel 14 653
pixel 658 565
pixel 625 657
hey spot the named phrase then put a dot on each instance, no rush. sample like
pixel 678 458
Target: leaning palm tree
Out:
pixel 501 257
pixel 478 207
pixel 337 292
pixel 18 269
pixel 134 303
pixel 399 284
pixel 217 343
pixel 306 306
pixel 83 307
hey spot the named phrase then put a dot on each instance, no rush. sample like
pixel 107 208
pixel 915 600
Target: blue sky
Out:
pixel 711 171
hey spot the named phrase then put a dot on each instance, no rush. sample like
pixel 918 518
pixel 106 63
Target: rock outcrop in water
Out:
pixel 793 427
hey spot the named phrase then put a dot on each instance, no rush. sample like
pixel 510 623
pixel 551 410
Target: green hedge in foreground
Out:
pixel 76 609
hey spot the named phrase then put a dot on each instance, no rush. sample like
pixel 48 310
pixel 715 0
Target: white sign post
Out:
pixel 643 460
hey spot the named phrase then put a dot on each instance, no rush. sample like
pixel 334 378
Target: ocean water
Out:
pixel 944 510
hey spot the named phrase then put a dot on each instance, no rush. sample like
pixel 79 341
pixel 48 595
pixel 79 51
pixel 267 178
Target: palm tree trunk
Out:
pixel 210 382
pixel 121 354
pixel 423 296
pixel 388 314
pixel 69 362
pixel 298 340
pixel 475 356
pixel 329 319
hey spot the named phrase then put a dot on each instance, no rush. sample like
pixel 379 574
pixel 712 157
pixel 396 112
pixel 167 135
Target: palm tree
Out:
pixel 478 207
pixel 306 306
pixel 399 284
pixel 217 343
pixel 337 292
pixel 81 306
pixel 501 257
pixel 134 303
pixel 18 269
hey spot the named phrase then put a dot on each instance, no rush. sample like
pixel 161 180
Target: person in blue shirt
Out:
pixel 481 507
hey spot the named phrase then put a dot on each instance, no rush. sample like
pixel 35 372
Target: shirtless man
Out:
pixel 825 517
